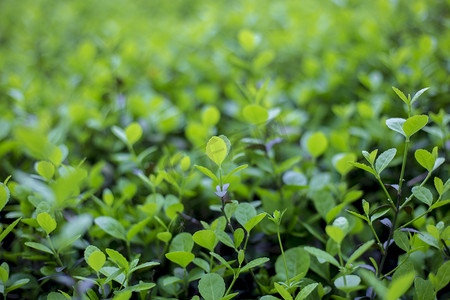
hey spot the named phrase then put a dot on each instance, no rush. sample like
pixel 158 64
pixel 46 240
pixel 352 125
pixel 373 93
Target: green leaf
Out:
pixel 144 265
pixel 423 194
pixel 112 227
pixel 211 286
pixel 363 167
pixel 297 261
pixel 401 240
pixel 360 251
pixel 206 239
pixel 442 277
pixel 228 297
pixel 370 157
pixel 238 237
pixel 142 286
pixel 254 263
pixel 46 222
pixel 235 170
pixel 439 185
pixel 244 213
pixel 294 178
pixel 418 94
pixel 39 246
pixel 4 195
pixel 396 124
pixel 358 215
pixel 224 238
pixel 342 161
pixel 401 95
pixel 384 159
pixel 347 282
pixel 137 228
pixel 414 124
pixel 376 214
pixel 230 209
pixel 282 291
pixel 181 258
pixel 216 149
pixel 164 236
pixel 45 169
pixel 133 133
pixel 118 259
pixel 207 172
pixel 317 144
pixel 222 260
pixel 88 251
pixel 182 242
pixel 306 291
pixel 440 203
pixel 4 275
pixel 425 159
pixel 336 233
pixel 255 114
pixel 120 134
pixel 9 229
pixel 322 256
pixel 172 210
pixel 16 284
pixel 96 260
pixel 423 289
pixel 400 286
pixel 254 221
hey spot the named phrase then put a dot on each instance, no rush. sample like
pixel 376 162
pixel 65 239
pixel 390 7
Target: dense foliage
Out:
pixel 224 149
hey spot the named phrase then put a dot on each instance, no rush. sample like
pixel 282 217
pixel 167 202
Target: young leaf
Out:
pixel 414 124
pixel 211 286
pixel 322 256
pixel 133 133
pixel 425 159
pixel 182 242
pixel 222 260
pixel 306 291
pixel 224 238
pixel 181 258
pixel 439 185
pixel 207 172
pixel 423 194
pixel 216 149
pixel 396 124
pixel 363 167
pixel 255 114
pixel 8 229
pixel 442 278
pixel 317 144
pixel 244 213
pixel 4 195
pixel 137 228
pixel 254 221
pixel 96 260
pixel 254 263
pixel 46 222
pixel 112 227
pixel 399 286
pixel 384 159
pixel 282 291
pixel 238 237
pixel 401 95
pixel 360 251
pixel 370 157
pixel 418 94
pixel 39 246
pixel 336 233
pixel 235 170
pixel 206 239
pixel 45 169
pixel 341 162
pixel 118 259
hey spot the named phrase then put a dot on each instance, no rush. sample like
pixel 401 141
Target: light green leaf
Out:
pixel 342 161
pixel 216 149
pixel 46 222
pixel 336 233
pixel 120 134
pixel 360 251
pixel 164 236
pixel 418 94
pixel 238 237
pixel 423 194
pixel 255 114
pixel 207 172
pixel 414 124
pixel 358 215
pixel 211 286
pixel 439 185
pixel 317 144
pixel 235 170
pixel 244 213
pixel 384 159
pixel 45 169
pixel 4 195
pixel 17 284
pixel 137 228
pixel 4 275
pixel 206 239
pixel 425 159
pixel 322 256
pixel 282 291
pixel 112 227
pixel 96 260
pixel 39 246
pixel 172 210
pixel 370 157
pixel 297 261
pixel 442 277
pixel 118 259
pixel 401 240
pixel 144 265
pixel 254 221
pixel 400 286
pixel 306 291
pixel 142 286
pixel 254 263
pixel 133 133
pixel 363 167
pixel 347 282
pixel 182 242
pixel 401 95
pixel 181 258
pixel 8 229
pixel 221 259
pixel 224 238
pixel 423 289
pixel 396 124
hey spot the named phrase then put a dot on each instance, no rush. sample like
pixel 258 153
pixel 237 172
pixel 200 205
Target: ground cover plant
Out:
pixel 224 150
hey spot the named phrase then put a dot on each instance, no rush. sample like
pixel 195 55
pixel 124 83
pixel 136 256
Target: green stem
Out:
pixel 58 259
pixel 385 191
pixel 210 263
pixel 392 271
pixel 235 276
pixel 415 219
pixel 341 261
pixel 405 153
pixel 282 253
pixel 376 236
pixel 412 195
pixel 220 178
pixel 185 284
pixel 101 286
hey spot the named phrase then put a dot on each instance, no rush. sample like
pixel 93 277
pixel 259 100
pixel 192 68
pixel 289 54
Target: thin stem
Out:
pixel 341 261
pixel 392 271
pixel 101 285
pixel 235 276
pixel 282 253
pixel 185 284
pixel 376 236
pixel 220 178
pixel 210 263
pixel 58 260
pixel 415 219
pixel 412 195
pixel 385 191
pixel 400 182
